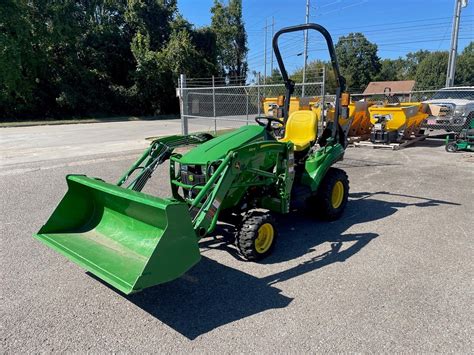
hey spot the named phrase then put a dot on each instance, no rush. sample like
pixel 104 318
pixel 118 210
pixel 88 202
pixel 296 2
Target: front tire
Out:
pixel 256 237
pixel 451 147
pixel 332 195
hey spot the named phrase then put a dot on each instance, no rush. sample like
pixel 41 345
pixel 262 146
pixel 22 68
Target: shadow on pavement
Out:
pixel 208 296
pixel 211 294
pixel 434 141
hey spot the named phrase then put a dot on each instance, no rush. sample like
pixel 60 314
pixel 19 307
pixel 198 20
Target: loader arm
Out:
pixel 156 154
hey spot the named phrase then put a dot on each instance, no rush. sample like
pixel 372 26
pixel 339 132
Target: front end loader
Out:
pixel 133 240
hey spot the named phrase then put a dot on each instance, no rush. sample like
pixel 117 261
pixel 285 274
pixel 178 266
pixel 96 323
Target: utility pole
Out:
pixel 305 54
pixel 265 55
pixel 453 51
pixel 273 33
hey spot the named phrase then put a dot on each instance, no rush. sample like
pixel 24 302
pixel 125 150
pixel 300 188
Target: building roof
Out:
pixel 378 87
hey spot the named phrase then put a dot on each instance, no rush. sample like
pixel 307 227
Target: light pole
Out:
pixel 271 58
pixel 265 55
pixel 454 42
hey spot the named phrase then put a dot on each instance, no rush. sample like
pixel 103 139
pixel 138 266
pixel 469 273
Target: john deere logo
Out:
pixel 191 178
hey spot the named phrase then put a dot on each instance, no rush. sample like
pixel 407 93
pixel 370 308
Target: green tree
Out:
pixel 314 72
pixel 152 17
pixel 231 39
pixel 204 39
pixel 19 60
pixel 72 57
pixel 410 64
pixel 465 66
pixel 431 72
pixel 49 35
pixel 98 52
pixel 274 78
pixel 157 69
pixel 391 70
pixel 106 57
pixel 182 56
pixel 358 60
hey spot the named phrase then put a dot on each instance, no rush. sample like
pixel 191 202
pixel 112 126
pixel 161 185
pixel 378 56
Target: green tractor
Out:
pixel 463 140
pixel 133 240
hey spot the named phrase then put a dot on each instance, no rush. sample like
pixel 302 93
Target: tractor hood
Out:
pixel 218 147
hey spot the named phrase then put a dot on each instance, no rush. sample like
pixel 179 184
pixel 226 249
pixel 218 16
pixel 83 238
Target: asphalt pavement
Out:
pixel 394 274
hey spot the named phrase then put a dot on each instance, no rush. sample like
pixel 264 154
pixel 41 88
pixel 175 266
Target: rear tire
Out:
pixel 451 147
pixel 332 195
pixel 256 237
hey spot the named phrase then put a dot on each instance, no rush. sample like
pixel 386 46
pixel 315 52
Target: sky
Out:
pixel 396 26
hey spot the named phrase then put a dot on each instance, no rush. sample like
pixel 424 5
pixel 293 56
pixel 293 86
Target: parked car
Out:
pixel 451 108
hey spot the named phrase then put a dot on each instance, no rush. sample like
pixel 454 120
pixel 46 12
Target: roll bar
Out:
pixel 290 85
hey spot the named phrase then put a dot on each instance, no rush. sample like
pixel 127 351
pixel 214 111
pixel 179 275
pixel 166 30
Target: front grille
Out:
pixel 192 175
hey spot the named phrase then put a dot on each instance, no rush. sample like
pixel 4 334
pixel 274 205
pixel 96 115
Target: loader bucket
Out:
pixel 126 238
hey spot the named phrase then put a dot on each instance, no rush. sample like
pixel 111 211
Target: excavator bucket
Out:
pixel 126 238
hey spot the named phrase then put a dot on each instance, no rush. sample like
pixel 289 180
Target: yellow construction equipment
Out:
pixel 358 123
pixel 271 105
pixel 396 122
pixel 383 122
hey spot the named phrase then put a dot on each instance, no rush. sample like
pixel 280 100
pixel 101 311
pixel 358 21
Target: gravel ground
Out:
pixel 393 275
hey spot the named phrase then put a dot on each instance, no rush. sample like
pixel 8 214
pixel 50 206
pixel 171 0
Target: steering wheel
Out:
pixel 269 120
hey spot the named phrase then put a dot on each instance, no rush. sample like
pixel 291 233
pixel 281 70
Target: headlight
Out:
pixel 460 111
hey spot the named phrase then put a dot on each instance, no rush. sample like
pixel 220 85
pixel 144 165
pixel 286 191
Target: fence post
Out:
pixel 258 94
pixel 214 104
pixel 247 105
pixel 183 103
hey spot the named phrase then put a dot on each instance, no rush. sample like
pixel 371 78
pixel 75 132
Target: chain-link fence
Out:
pixel 219 107
pixel 227 105
pixel 448 109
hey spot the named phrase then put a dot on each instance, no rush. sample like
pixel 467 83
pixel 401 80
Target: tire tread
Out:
pixel 248 232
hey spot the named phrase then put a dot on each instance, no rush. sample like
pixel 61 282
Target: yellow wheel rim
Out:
pixel 337 194
pixel 264 240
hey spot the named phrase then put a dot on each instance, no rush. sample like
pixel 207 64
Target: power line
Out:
pixel 405 29
pixel 398 22
pixel 380 32
pixel 390 44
